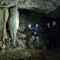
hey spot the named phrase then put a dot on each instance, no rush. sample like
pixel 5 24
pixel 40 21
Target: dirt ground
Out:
pixel 30 54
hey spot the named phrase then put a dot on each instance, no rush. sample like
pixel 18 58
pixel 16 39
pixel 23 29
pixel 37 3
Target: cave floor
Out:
pixel 30 54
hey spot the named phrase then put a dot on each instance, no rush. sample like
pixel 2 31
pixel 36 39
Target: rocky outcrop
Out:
pixel 40 5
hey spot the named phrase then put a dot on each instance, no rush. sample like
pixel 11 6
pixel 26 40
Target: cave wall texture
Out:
pixel 43 5
pixel 40 6
pixel 1 12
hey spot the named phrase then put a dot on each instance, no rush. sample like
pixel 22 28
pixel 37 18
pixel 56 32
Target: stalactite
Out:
pixel 13 24
pixel 4 21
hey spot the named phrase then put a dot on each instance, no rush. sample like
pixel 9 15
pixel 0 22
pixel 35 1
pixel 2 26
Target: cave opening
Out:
pixel 32 17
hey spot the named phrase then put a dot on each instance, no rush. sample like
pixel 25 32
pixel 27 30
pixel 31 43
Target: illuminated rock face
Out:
pixel 14 24
pixel 1 15
pixel 44 5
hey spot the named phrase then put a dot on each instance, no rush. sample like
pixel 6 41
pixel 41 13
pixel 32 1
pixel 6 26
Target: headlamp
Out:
pixel 29 26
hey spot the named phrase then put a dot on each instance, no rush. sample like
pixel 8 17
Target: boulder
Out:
pixel 21 35
pixel 21 44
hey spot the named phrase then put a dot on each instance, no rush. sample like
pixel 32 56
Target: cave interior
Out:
pixel 32 17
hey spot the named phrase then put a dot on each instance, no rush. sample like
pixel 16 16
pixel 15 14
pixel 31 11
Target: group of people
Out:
pixel 53 35
pixel 36 33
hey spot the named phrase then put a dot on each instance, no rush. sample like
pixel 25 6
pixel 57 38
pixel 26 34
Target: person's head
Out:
pixel 54 23
pixel 29 26
pixel 48 24
pixel 37 25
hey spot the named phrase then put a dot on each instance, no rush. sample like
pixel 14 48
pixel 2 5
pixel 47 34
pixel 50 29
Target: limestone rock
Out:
pixel 20 35
pixel 21 27
pixel 21 45
pixel 0 43
pixel 13 23
pixel 24 41
pixel 22 22
pixel 1 15
pixel 42 5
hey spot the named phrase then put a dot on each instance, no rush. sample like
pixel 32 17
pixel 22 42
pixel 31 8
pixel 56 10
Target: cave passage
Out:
pixel 50 34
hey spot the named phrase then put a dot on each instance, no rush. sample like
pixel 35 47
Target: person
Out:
pixel 48 35
pixel 54 35
pixel 28 32
pixel 36 32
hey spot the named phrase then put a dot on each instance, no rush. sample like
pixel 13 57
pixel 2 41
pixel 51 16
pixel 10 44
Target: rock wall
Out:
pixel 41 5
pixel 21 36
pixel 1 15
pixel 26 19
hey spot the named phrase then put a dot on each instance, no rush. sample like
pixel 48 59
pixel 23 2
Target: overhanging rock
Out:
pixel 41 5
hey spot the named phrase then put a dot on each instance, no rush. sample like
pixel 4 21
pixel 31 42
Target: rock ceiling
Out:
pixel 40 6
